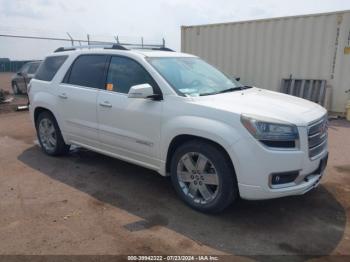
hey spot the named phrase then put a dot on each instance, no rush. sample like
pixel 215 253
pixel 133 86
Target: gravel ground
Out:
pixel 86 203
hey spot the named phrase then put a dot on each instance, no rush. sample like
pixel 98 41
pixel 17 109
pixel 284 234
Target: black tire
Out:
pixel 227 190
pixel 15 89
pixel 60 148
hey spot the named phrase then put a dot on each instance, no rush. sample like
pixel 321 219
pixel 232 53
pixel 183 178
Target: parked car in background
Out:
pixel 176 114
pixel 21 79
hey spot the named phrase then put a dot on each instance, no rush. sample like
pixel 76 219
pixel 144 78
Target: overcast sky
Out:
pixel 152 19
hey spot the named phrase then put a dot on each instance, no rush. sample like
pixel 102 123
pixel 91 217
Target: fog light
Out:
pixel 284 178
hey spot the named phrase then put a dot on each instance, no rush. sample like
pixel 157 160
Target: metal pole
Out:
pixel 142 42
pixel 51 38
pixel 71 38
pixel 80 40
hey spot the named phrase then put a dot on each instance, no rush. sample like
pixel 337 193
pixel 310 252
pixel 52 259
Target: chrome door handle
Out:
pixel 105 104
pixel 63 95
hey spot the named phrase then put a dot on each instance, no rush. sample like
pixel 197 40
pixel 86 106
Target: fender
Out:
pixel 45 100
pixel 218 132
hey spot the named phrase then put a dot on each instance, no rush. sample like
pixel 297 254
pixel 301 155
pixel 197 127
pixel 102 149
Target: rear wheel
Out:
pixel 49 135
pixel 203 176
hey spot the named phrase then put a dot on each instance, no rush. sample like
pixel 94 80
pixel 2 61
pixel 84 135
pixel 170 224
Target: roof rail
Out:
pixel 72 48
pixel 163 49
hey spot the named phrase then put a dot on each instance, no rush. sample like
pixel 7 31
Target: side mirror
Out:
pixel 238 78
pixel 141 91
pixel 19 73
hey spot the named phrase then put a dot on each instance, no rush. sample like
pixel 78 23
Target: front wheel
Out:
pixel 49 135
pixel 203 176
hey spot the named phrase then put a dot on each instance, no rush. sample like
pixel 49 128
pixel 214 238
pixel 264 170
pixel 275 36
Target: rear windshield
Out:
pixel 49 67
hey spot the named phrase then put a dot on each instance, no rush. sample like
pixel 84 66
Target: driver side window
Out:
pixel 123 73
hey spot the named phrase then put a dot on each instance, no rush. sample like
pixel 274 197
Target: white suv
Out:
pixel 176 114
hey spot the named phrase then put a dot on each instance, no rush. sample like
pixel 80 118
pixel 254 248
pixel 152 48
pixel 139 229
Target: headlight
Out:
pixel 271 133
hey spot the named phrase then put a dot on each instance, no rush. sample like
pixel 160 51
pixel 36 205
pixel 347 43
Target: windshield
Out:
pixel 192 76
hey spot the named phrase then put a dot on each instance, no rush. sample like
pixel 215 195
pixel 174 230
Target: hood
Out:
pixel 265 103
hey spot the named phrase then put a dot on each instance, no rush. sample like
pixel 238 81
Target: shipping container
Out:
pixel 264 52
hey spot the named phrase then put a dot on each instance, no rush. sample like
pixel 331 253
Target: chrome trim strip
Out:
pixel 135 140
pixel 321 144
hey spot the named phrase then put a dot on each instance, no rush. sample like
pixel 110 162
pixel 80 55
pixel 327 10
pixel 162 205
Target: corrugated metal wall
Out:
pixel 263 52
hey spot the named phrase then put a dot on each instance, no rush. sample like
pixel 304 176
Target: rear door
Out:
pixel 77 96
pixel 129 127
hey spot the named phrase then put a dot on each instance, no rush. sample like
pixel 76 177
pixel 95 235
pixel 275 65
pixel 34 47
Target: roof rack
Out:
pixel 118 46
pixel 72 48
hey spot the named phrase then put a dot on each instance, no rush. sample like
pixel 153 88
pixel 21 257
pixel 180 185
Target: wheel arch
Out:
pixel 41 101
pixel 184 138
pixel 38 110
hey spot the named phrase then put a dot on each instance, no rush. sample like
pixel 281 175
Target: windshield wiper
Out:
pixel 232 89
pixel 208 94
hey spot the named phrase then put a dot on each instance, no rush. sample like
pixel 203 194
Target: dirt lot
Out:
pixel 87 203
pixel 5 81
pixel 5 84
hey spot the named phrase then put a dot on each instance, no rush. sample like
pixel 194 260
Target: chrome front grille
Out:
pixel 317 137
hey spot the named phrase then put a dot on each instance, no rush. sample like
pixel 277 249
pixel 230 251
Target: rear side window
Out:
pixel 49 67
pixel 88 70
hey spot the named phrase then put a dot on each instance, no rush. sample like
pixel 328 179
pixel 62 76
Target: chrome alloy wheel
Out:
pixel 47 134
pixel 198 178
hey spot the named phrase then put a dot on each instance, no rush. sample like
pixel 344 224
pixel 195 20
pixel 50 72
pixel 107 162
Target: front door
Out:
pixel 129 127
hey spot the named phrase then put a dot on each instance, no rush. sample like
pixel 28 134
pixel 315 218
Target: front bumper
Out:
pixel 306 183
pixel 255 164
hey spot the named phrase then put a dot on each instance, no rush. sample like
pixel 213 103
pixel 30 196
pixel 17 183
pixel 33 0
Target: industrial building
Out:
pixel 307 56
